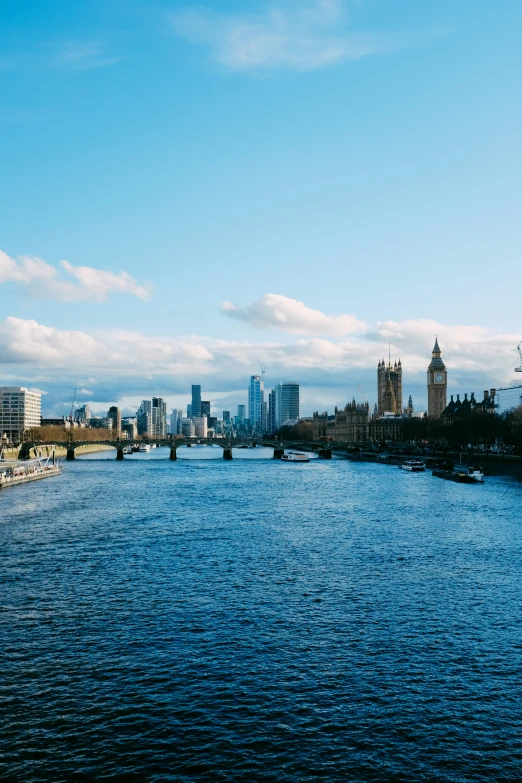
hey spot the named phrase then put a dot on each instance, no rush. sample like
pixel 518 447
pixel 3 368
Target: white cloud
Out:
pixel 44 280
pixel 476 357
pixel 83 55
pixel 296 34
pixel 289 315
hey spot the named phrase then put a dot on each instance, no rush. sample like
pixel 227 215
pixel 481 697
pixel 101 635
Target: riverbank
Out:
pixel 61 451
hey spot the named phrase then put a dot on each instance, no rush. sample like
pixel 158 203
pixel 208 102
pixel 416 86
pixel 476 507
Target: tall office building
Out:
pixel 20 410
pixel 205 408
pixel 114 415
pixel 196 401
pixel 285 403
pixel 271 413
pixel 241 411
pixel 226 415
pixel 159 417
pixel 255 403
pixel 144 416
pixel 289 402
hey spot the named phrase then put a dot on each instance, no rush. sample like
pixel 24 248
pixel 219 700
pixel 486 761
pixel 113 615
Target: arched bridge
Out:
pixel 29 449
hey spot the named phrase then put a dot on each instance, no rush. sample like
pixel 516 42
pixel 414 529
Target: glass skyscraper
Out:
pixel 195 409
pixel 255 402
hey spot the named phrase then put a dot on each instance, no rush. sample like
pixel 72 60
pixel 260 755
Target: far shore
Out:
pixel 61 451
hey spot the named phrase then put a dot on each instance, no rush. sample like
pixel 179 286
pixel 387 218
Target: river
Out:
pixel 204 620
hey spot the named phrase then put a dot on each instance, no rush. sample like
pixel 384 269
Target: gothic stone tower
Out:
pixel 437 383
pixel 389 387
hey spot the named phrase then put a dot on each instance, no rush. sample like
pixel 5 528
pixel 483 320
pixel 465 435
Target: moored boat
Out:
pixel 144 448
pixel 20 472
pixel 461 474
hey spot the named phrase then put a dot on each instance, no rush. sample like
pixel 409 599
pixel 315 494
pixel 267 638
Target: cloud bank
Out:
pixel 296 35
pixel 290 315
pixel 44 280
pixel 123 363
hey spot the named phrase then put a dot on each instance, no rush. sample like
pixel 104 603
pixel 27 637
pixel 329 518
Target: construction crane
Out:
pixel 262 371
pixel 519 349
pixel 365 398
pixel 72 406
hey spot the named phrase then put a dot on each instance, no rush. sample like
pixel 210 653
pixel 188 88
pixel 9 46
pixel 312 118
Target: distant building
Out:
pixel 175 418
pixel 101 423
pixel 410 409
pixel 205 408
pixel 114 415
pixel 289 402
pixel 196 401
pixel 352 422
pixel 255 402
pixel 389 387
pixel 129 427
pixel 271 424
pixel 200 426
pixel 460 409
pixel 159 418
pixel 437 384
pixel 20 410
pixel 189 411
pixel 63 422
pixel 186 428
pixel 226 416
pixel 144 416
pixel 241 411
pixel 83 414
pixel 386 428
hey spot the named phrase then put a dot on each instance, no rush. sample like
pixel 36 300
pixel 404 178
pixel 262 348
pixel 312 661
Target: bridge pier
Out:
pixel 278 453
pixel 325 453
pixel 70 455
pixel 173 454
pixel 227 453
pixel 119 453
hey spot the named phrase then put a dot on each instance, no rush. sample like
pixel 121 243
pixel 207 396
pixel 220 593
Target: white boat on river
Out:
pixel 413 465
pixel 295 456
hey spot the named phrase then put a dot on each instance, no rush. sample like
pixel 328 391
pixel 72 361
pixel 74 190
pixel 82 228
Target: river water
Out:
pixel 204 620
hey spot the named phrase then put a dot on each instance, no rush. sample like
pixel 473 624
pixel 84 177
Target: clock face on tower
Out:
pixel 439 378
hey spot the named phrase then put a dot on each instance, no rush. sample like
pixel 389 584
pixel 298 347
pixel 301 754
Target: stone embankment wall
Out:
pixel 62 452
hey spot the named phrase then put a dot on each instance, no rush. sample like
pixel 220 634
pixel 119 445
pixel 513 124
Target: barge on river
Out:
pixel 461 474
pixel 20 472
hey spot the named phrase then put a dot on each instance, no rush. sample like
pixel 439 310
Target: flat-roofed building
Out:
pixel 20 410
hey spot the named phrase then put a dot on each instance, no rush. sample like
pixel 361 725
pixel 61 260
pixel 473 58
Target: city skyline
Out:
pixel 348 168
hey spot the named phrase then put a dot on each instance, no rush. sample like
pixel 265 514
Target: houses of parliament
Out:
pixel 356 423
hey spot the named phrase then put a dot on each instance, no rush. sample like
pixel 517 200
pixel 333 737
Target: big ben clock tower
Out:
pixel 437 383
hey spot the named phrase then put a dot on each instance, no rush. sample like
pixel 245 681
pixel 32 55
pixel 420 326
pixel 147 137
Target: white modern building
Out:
pixel 20 409
pixel 201 426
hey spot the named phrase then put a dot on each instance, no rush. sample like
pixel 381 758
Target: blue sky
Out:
pixel 360 158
